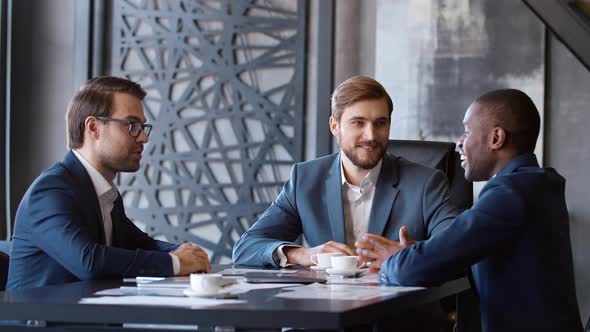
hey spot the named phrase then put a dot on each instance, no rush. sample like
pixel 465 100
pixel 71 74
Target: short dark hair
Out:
pixel 515 112
pixel 356 89
pixel 95 98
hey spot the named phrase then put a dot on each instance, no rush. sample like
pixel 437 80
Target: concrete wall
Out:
pixel 566 149
pixel 354 34
pixel 435 57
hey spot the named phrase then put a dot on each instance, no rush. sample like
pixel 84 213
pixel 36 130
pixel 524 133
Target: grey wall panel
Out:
pixel 225 94
pixel 566 149
pixel 42 58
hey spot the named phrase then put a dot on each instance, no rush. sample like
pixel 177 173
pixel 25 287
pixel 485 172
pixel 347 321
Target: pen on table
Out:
pixel 143 280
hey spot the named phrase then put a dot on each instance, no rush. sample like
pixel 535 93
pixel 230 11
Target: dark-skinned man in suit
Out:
pixel 515 238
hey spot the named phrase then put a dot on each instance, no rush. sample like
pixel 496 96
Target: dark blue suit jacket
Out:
pixel 516 240
pixel 311 204
pixel 59 235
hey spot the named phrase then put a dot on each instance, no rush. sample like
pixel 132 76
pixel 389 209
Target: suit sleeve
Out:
pixel 437 209
pixel 58 228
pixel 279 224
pixel 494 221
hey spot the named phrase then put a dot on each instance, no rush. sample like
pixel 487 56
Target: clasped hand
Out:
pixel 192 259
pixel 375 249
pixel 372 249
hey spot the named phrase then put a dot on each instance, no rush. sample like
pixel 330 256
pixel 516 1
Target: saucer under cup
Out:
pixel 319 268
pixel 344 273
pixel 193 293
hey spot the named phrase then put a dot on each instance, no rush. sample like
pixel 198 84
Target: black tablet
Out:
pixel 299 277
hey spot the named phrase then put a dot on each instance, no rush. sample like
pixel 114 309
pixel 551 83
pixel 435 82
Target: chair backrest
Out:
pixel 4 259
pixel 441 156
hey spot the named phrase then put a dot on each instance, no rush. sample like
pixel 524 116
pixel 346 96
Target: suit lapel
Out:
pixel 385 195
pixel 333 201
pixel 86 190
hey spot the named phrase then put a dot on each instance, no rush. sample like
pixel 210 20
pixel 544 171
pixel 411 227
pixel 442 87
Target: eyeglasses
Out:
pixel 134 127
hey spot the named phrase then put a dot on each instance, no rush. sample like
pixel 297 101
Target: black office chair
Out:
pixel 441 156
pixel 4 259
pixel 464 309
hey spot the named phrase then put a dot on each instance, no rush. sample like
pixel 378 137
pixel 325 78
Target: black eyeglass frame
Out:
pixel 132 125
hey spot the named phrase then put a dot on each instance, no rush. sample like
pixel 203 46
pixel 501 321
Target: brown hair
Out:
pixel 356 89
pixel 516 113
pixel 95 98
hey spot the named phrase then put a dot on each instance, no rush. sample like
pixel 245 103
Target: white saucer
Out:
pixel 193 293
pixel 345 273
pixel 318 268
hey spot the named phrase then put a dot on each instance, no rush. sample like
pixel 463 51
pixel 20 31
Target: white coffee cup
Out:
pixel 345 263
pixel 323 259
pixel 206 282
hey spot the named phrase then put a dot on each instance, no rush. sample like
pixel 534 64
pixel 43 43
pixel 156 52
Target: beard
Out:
pixel 365 162
pixel 477 172
pixel 117 164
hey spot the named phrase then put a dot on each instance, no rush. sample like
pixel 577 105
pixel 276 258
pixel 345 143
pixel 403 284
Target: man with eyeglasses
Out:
pixel 71 223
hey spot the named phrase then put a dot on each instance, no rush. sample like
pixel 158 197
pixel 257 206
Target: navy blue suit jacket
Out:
pixel 311 204
pixel 59 235
pixel 516 240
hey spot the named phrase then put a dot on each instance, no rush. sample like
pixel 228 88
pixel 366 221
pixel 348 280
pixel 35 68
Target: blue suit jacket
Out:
pixel 59 236
pixel 516 240
pixel 311 204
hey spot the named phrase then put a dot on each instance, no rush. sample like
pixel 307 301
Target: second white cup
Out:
pixel 323 259
pixel 345 263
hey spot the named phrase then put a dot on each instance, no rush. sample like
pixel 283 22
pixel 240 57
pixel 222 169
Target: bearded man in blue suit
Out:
pixel 71 223
pixel 516 236
pixel 336 199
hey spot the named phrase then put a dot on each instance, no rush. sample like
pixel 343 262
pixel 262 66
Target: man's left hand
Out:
pixel 375 249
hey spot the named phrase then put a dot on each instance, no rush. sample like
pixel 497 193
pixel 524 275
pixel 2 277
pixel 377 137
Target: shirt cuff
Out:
pixel 175 264
pixel 280 255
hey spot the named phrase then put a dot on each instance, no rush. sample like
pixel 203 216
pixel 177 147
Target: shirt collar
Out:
pixel 370 179
pixel 101 185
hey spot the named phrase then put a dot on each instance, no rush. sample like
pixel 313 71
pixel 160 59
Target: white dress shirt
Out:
pixel 356 202
pixel 107 193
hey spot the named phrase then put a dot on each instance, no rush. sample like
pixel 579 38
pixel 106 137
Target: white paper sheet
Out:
pixel 191 302
pixel 122 291
pixel 240 287
pixel 343 292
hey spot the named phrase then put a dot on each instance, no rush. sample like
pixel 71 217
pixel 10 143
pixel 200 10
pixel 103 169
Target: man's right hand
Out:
pixel 192 259
pixel 375 249
pixel 302 256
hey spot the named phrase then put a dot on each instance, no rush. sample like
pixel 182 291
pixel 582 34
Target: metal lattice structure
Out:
pixel 225 83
